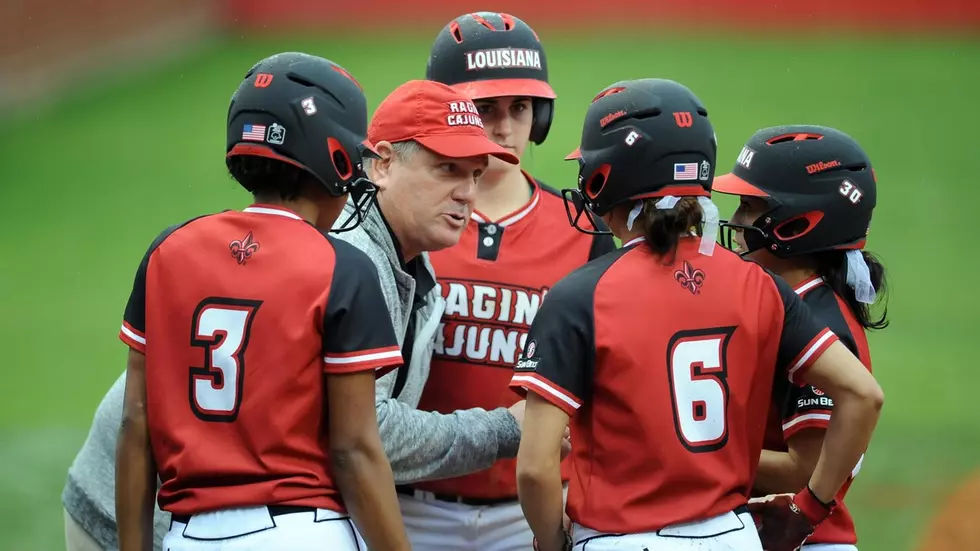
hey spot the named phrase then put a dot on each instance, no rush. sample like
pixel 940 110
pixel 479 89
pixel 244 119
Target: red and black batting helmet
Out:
pixel 817 182
pixel 487 55
pixel 309 112
pixel 641 139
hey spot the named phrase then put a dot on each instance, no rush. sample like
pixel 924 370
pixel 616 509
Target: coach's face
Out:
pixel 426 197
pixel 507 121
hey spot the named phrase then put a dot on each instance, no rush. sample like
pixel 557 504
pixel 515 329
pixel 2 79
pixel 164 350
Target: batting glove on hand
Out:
pixel 785 521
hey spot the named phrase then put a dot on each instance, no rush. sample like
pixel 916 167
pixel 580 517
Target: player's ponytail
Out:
pixel 664 227
pixel 833 267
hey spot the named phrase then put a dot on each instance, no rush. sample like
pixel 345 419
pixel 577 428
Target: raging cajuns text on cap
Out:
pixel 463 113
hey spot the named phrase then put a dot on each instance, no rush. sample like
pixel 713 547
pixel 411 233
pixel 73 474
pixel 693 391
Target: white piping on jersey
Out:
pixel 525 379
pixel 816 346
pixel 807 417
pixel 133 335
pixel 808 285
pixel 632 241
pixel 277 212
pixel 516 217
pixel 360 358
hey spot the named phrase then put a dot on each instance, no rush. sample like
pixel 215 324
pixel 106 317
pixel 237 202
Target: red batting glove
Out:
pixel 785 521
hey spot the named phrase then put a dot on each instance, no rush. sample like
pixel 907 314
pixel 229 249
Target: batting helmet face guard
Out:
pixel 486 55
pixel 818 186
pixel 309 112
pixel 641 139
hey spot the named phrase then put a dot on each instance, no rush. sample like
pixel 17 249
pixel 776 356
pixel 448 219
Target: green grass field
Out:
pixel 86 184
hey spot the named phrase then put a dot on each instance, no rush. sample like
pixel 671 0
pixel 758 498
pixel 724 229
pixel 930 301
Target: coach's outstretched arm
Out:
pixel 425 445
pixel 136 480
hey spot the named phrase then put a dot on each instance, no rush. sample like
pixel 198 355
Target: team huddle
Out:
pixel 409 342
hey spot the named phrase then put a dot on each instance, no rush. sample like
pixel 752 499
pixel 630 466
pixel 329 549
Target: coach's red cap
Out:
pixel 438 118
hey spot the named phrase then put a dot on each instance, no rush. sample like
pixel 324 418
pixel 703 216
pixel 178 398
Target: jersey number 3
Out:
pixel 221 326
pixel 698 377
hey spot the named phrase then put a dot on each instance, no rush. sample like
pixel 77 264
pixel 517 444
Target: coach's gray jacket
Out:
pixel 420 445
pixel 423 445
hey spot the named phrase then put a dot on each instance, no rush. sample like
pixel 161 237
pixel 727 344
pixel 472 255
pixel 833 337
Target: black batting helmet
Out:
pixel 817 182
pixel 641 139
pixel 308 112
pixel 488 54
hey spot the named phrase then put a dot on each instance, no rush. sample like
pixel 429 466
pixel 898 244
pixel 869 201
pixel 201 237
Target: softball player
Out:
pixel 807 195
pixel 516 246
pixel 664 354
pixel 261 425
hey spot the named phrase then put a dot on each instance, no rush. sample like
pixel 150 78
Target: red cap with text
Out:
pixel 438 118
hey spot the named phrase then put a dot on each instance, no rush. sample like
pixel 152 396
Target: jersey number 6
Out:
pixel 221 326
pixel 698 375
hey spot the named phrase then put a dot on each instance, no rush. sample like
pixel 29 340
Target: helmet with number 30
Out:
pixel 818 186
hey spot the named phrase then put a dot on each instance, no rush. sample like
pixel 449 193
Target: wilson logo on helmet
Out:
pixel 683 119
pixel 463 113
pixel 263 80
pixel 503 58
pixel 821 166
pixel 611 117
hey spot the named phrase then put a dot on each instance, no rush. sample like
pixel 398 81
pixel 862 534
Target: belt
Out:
pixel 475 501
pixel 274 511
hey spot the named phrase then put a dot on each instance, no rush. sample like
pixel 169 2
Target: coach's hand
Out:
pixel 785 521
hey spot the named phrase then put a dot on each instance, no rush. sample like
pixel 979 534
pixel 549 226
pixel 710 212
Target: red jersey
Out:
pixel 667 373
pixel 240 315
pixel 494 281
pixel 799 408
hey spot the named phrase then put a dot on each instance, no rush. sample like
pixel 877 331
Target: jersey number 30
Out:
pixel 221 326
pixel 698 377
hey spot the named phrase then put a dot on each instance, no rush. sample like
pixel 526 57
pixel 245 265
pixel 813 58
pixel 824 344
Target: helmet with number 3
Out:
pixel 818 186
pixel 308 112
pixel 641 139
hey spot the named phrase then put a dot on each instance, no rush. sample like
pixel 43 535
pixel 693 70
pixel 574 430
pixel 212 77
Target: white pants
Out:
pixel 829 547
pixel 435 525
pixel 254 529
pixel 726 532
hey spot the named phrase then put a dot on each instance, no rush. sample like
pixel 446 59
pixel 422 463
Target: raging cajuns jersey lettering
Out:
pixel 486 323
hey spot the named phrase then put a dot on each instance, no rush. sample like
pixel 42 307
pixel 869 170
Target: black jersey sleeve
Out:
pixel 133 330
pixel 357 330
pixel 807 406
pixel 558 356
pixel 804 338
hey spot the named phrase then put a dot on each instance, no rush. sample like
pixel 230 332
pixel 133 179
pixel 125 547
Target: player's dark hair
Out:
pixel 832 266
pixel 268 178
pixel 663 228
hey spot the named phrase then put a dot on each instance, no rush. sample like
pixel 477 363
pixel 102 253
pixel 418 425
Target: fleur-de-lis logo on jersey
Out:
pixel 690 278
pixel 243 249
